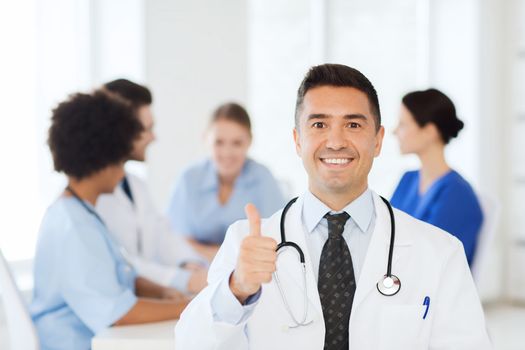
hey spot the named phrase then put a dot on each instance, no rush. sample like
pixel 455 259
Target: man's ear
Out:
pixel 296 139
pixel 380 134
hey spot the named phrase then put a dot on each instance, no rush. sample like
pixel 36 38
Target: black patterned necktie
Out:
pixel 336 283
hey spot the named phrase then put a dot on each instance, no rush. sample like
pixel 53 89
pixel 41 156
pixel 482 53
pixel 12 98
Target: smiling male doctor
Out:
pixel 343 228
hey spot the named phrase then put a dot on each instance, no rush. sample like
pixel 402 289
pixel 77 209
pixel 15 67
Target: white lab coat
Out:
pixel 162 250
pixel 428 261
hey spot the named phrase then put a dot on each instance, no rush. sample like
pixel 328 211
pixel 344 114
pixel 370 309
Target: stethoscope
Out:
pixel 122 250
pixel 388 285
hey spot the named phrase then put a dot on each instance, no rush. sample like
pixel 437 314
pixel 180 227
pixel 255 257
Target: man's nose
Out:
pixel 336 139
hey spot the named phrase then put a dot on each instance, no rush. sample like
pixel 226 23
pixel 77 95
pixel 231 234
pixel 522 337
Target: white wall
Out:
pixel 195 59
pixel 491 133
pixel 117 40
pixel 280 52
pixel 46 60
pixel 455 69
pixel 515 148
pixel 17 69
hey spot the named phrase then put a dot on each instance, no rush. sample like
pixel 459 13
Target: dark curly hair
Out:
pixel 89 132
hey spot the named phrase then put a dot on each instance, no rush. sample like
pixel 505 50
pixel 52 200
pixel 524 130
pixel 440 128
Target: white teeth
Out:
pixel 336 160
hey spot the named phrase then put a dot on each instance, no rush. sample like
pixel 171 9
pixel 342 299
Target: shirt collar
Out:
pixel 360 210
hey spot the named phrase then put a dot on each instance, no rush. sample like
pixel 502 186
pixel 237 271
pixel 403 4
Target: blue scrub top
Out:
pixel 82 283
pixel 195 210
pixel 449 203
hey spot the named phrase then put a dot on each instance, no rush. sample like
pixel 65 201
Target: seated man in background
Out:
pixel 83 283
pixel 151 247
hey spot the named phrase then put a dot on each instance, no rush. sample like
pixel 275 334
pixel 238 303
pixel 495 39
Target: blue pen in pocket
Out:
pixel 426 303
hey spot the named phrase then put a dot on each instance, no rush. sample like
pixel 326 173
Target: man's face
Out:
pixel 146 137
pixel 337 140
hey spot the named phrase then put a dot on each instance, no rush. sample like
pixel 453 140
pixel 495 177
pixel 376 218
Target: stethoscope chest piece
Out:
pixel 389 285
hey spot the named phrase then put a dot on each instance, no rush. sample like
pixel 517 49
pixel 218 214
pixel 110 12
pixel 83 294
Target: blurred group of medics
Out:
pixel 106 256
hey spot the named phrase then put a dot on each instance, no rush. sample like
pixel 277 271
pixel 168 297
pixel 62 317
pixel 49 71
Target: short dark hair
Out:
pixel 338 75
pixel 433 106
pixel 89 132
pixel 233 112
pixel 137 95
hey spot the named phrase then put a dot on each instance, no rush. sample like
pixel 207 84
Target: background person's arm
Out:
pixel 190 278
pixel 152 310
pixel 206 250
pixel 146 288
pixel 155 303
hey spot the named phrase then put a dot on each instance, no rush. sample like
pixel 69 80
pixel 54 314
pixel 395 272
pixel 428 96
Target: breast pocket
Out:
pixel 403 327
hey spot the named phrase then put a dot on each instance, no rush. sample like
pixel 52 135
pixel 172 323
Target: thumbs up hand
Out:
pixel 256 261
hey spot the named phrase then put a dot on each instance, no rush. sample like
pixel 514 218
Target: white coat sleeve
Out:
pixel 199 327
pixel 459 322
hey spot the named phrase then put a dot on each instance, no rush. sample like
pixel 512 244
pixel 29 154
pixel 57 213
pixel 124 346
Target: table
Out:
pixel 151 336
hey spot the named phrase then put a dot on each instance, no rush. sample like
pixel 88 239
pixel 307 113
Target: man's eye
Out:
pixel 318 125
pixel 354 125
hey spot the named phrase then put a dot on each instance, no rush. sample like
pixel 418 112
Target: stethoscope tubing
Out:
pixel 285 243
pixel 392 237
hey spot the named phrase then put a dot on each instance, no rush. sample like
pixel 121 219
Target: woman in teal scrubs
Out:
pixel 82 282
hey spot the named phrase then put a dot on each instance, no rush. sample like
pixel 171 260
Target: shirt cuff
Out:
pixel 226 307
pixel 181 280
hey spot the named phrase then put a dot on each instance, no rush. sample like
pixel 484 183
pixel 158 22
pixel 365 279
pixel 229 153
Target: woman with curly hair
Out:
pixel 83 283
